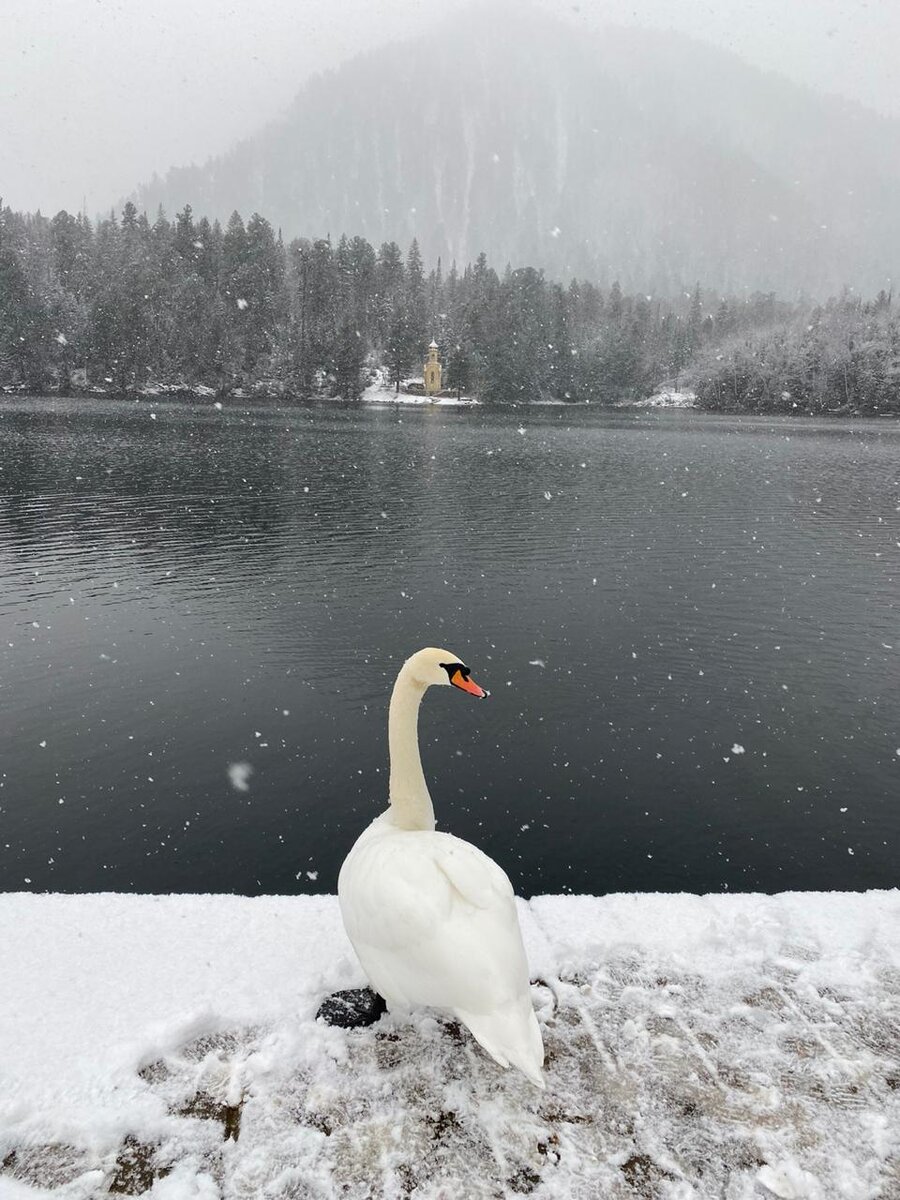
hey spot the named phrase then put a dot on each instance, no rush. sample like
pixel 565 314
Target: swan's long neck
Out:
pixel 410 802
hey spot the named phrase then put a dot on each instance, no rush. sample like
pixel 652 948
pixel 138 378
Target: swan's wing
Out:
pixel 476 878
pixel 433 921
pixel 391 895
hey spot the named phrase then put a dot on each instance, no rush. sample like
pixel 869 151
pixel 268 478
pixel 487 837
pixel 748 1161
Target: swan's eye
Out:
pixel 452 668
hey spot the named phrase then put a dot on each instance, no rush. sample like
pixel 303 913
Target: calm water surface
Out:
pixel 690 627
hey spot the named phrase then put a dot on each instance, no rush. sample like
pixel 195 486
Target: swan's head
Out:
pixel 441 668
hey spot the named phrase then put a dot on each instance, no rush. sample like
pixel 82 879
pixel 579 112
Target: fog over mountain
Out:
pixel 636 155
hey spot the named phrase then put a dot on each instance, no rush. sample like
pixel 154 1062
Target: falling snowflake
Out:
pixel 239 776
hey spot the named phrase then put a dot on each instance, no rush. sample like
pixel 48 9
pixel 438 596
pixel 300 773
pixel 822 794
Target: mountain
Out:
pixel 641 156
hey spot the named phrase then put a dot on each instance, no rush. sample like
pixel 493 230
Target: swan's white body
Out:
pixel 432 919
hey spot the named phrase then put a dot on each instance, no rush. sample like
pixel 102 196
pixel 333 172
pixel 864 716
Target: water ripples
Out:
pixel 640 593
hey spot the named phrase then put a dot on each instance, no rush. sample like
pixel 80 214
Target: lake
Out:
pixel 689 626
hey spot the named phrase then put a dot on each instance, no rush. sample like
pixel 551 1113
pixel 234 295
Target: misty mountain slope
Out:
pixel 634 155
pixel 840 158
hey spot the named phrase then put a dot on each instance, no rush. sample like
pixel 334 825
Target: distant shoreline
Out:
pixel 383 397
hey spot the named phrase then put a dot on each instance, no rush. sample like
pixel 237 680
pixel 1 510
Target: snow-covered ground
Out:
pixel 664 399
pixel 380 391
pixel 177 389
pixel 724 1046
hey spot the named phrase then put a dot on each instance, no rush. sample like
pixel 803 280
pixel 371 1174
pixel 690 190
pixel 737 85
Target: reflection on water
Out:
pixel 689 627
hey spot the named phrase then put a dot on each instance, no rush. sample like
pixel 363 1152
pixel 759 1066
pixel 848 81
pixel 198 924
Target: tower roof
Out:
pixel 432 345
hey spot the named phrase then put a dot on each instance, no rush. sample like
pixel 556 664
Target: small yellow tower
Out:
pixel 432 370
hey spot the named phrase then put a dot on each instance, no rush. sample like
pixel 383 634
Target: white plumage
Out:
pixel 432 919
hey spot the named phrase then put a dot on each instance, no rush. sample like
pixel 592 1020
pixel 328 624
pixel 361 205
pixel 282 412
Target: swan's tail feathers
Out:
pixel 512 1037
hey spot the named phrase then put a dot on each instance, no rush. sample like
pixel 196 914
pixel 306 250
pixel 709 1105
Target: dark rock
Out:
pixel 643 1174
pixel 207 1108
pixel 352 1008
pixel 51 1165
pixel 136 1168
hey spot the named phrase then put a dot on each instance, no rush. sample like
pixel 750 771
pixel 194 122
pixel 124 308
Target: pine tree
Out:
pixel 390 279
pixel 460 367
pixel 349 354
pixel 23 322
pixel 561 347
pixel 616 305
pixel 356 268
pixel 398 350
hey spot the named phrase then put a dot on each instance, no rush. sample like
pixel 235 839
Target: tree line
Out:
pixel 126 304
pixel 840 357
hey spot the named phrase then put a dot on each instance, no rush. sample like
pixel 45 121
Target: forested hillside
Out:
pixel 129 305
pixel 634 155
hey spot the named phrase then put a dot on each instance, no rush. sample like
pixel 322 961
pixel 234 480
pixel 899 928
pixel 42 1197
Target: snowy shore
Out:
pixel 721 1046
pixel 381 391
pixel 667 398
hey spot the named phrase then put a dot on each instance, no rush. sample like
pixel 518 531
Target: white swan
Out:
pixel 432 919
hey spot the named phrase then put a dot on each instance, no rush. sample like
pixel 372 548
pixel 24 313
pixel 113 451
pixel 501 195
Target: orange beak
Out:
pixel 467 685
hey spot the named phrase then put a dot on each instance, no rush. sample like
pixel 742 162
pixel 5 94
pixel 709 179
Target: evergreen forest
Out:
pixel 126 306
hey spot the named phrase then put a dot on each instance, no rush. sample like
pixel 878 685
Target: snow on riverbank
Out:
pixel 664 399
pixel 733 1046
pixel 382 395
pixel 381 391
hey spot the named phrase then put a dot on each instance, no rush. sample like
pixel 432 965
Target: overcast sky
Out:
pixel 96 95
